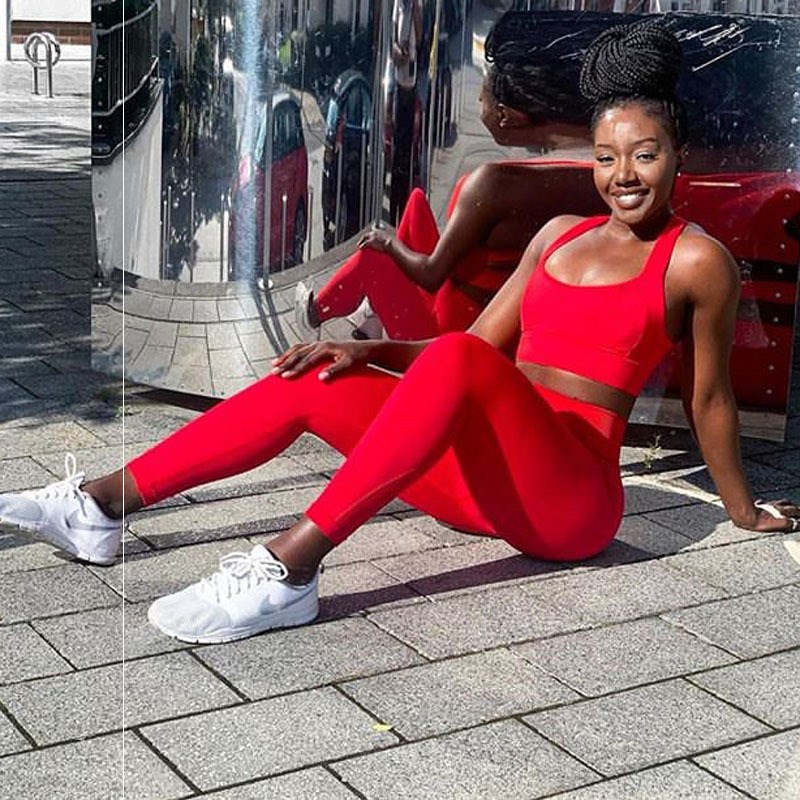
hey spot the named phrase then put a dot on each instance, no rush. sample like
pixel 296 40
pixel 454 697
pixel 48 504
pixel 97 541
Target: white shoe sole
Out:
pixel 58 542
pixel 302 612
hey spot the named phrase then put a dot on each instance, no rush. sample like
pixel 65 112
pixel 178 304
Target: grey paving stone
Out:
pixel 92 770
pixel 163 334
pixel 767 768
pixel 307 784
pixel 279 473
pixel 750 626
pixel 441 533
pixel 378 540
pixel 477 621
pixel 326 462
pixel 624 592
pixel 222 336
pixel 650 537
pixel 463 568
pixel 705 525
pixel 190 352
pixel 639 499
pixel 94 638
pixel 740 568
pixel 283 733
pixel 230 310
pixel 621 656
pixel 355 588
pixel 91 701
pixel 191 330
pixel 223 519
pixel 231 363
pixel 301 658
pixel 502 760
pixel 457 693
pixel 154 574
pixel 679 781
pixel 19 553
pixel 11 741
pixel 25 655
pixel 205 311
pixel 47 592
pixel 768 688
pixel 181 310
pixel 31 439
pixel 645 726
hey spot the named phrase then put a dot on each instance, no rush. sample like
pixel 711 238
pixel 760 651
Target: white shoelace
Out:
pixel 238 571
pixel 70 486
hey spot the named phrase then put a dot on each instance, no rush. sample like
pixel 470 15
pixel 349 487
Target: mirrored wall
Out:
pixel 241 146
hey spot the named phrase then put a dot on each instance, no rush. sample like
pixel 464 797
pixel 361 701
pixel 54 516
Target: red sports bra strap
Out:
pixel 661 253
pixel 570 234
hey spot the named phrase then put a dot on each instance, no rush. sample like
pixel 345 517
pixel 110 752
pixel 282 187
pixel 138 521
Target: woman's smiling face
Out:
pixel 635 163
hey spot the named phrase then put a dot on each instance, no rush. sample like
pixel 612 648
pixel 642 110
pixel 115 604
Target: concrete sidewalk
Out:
pixel 443 665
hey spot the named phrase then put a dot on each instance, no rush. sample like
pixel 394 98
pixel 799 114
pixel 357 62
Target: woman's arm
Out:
pixel 712 290
pixel 478 209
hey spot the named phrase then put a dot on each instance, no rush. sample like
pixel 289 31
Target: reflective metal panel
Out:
pixel 241 145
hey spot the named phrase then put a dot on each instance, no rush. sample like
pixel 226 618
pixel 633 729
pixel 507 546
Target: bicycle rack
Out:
pixel 52 53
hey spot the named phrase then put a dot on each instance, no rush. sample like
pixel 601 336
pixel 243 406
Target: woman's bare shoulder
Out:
pixel 700 262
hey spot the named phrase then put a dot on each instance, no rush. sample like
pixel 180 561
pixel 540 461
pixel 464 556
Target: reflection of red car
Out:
pixel 756 215
pixel 289 169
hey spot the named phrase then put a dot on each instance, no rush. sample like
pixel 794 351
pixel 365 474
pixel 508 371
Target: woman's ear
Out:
pixel 509 117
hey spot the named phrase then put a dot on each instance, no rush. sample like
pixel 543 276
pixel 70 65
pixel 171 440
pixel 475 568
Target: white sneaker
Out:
pixel 366 323
pixel 63 515
pixel 249 594
pixel 303 312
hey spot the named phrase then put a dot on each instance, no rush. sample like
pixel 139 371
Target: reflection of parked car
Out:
pixel 289 172
pixel 347 131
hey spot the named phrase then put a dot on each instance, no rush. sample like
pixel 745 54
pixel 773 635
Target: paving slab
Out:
pixel 350 589
pixel 302 658
pixel 90 702
pixel 92 770
pixel 54 591
pixel 11 740
pixel 503 759
pixel 740 568
pixel 457 693
pixel 767 769
pixel 616 657
pixel 105 636
pixel 471 622
pixel 749 626
pixel 624 592
pixel 767 688
pixel 681 780
pixel 282 733
pixel 25 655
pixel 147 576
pixel 307 784
pixel 20 553
pixel 643 727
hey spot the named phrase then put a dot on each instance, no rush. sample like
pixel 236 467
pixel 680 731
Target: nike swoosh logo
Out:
pixel 72 523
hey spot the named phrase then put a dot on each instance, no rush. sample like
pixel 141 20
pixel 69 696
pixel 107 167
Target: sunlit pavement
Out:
pixel 442 666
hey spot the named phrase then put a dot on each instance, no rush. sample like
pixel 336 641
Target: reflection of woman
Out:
pixel 420 284
pixel 527 450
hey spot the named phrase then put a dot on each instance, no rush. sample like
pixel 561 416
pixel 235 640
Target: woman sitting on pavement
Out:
pixel 526 450
pixel 421 284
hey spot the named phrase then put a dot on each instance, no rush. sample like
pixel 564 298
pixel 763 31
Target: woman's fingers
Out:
pixel 287 360
pixel 341 361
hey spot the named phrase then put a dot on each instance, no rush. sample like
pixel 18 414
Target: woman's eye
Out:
pixel 646 156
pixel 604 160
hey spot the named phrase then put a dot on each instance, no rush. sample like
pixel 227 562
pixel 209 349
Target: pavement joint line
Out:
pixel 772 728
pixel 192 650
pixel 721 778
pixel 165 760
pixel 4 712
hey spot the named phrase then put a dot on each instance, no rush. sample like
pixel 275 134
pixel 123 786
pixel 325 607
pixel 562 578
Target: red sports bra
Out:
pixel 615 333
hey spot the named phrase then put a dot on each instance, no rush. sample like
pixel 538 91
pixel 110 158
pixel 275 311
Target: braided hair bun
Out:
pixel 638 60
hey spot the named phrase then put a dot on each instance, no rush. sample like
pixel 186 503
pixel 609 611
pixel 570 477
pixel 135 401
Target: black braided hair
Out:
pixel 533 72
pixel 640 64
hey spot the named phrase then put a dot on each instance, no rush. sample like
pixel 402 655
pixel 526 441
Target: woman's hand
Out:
pixel 778 515
pixel 301 357
pixel 376 240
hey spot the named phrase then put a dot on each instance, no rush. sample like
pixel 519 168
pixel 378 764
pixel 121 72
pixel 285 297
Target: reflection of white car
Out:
pixel 289 180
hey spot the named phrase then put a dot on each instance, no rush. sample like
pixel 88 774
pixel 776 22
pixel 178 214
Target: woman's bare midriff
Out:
pixel 578 387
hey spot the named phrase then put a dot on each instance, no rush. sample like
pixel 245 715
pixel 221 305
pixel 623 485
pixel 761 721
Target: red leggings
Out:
pixel 407 311
pixel 463 436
